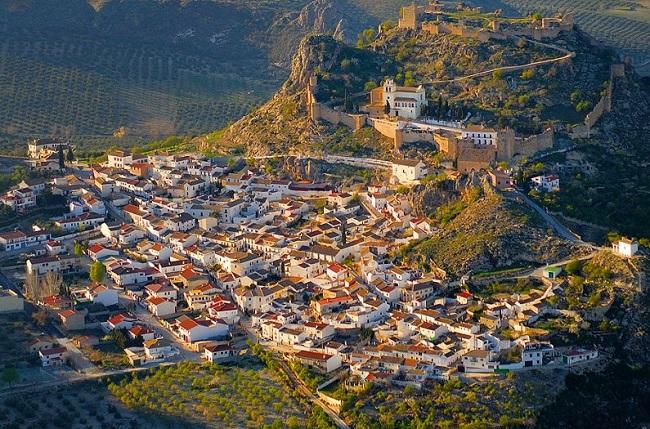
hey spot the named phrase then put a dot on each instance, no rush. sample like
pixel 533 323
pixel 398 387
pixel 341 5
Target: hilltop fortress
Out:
pixel 472 147
pixel 469 23
pixel 397 112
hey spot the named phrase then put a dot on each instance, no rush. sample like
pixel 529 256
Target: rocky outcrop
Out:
pixel 316 51
pixel 490 234
pixel 332 17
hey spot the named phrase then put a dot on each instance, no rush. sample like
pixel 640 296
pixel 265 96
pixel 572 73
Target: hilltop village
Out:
pixel 159 257
pixel 188 256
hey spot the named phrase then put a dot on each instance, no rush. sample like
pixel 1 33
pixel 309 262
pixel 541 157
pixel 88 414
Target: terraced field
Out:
pixel 621 24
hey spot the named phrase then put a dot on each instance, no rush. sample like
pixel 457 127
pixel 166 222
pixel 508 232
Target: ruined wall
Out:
pixel 498 32
pixel 408 17
pixel 325 113
pixel 317 111
pixel 447 144
pixel 533 144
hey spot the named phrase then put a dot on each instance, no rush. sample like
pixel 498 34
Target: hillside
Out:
pixel 155 67
pixel 621 24
pixel 488 233
pixel 608 171
pixel 281 125
pixel 528 100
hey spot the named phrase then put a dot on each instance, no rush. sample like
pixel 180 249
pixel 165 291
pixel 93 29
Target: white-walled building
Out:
pixel 549 183
pixel 480 135
pixel 405 101
pixel 409 170
pixel 625 247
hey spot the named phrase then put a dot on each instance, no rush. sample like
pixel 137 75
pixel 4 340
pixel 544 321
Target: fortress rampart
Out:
pixel 585 130
pixel 500 29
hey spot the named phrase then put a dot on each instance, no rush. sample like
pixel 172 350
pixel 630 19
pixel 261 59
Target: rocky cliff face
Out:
pixel 317 17
pixel 281 125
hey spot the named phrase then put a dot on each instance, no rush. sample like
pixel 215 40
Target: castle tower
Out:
pixel 409 17
pixel 505 144
pixel 313 108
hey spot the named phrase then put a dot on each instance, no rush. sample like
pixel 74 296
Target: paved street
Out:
pixel 146 317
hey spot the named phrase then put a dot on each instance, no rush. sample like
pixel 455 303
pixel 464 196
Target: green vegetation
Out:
pixel 364 142
pixel 97 272
pixel 622 392
pixel 506 402
pixel 611 193
pixel 482 232
pixel 448 212
pixel 7 180
pixel 521 286
pixel 216 395
pixel 310 378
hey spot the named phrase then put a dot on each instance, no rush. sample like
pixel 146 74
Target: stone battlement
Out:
pixel 500 29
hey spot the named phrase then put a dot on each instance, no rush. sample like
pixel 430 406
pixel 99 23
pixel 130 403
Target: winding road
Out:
pixel 567 55
pixel 561 230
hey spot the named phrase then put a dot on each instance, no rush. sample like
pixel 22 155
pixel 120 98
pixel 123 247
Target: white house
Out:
pixel 478 361
pixel 100 294
pixel 480 135
pixel 97 251
pixel 549 183
pixel 319 331
pixel 160 307
pixel 625 247
pixel 533 353
pixel 405 101
pixel 409 170
pixel 52 357
pixel 321 362
pixel 118 321
pixel 218 353
pixel 227 311
pixel 118 158
pixel 158 348
pixel 191 330
pixel 580 355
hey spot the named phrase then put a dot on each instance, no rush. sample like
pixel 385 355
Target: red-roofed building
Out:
pixel 141 331
pixel 53 357
pixel 191 330
pixel 224 310
pixel 464 297
pixel 72 320
pixel 119 321
pixel 55 302
pixel 218 352
pixel 336 272
pixel 327 305
pixel 160 307
pixel 321 362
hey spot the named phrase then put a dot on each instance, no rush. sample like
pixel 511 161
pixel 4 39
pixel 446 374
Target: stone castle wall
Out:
pixel 550 27
pixel 408 17
pixel 475 158
pixel 604 105
pixel 533 144
pixel 318 111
